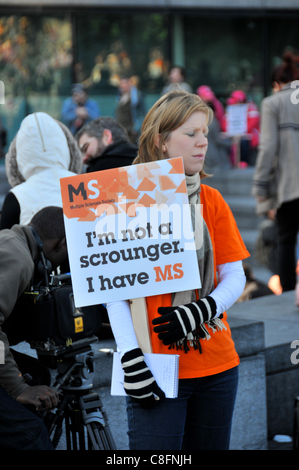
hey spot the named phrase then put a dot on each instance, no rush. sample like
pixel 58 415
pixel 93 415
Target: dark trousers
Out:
pixel 200 418
pixel 20 429
pixel 288 228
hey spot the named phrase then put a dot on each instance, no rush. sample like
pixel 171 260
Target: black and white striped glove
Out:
pixel 139 382
pixel 176 322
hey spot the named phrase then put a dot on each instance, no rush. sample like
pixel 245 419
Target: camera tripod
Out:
pixel 80 407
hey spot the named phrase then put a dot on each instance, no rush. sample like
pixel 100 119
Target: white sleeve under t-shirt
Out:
pixel 230 286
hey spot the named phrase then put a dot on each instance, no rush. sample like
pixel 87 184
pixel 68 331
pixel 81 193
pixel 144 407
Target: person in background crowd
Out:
pixel 177 80
pixel 79 109
pixel 130 110
pixel 192 324
pixel 208 96
pixel 42 152
pixel 254 287
pixel 266 249
pixel 276 183
pixel 249 145
pixel 218 152
pixel 104 143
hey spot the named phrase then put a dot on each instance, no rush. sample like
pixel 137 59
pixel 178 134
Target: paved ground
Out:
pixel 280 446
pixel 115 406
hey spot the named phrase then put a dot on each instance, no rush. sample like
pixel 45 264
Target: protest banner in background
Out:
pixel 129 232
pixel 237 119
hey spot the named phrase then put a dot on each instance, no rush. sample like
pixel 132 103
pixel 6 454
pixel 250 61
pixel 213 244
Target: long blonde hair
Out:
pixel 166 115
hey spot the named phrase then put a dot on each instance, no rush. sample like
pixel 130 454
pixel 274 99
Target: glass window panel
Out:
pixel 35 66
pixel 283 34
pixel 35 54
pixel 225 54
pixel 111 45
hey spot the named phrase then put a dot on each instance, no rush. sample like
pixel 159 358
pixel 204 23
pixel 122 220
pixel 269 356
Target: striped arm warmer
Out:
pixel 139 382
pixel 176 322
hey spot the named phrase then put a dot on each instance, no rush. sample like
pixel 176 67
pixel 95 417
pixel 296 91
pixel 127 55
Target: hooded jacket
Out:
pixel 42 152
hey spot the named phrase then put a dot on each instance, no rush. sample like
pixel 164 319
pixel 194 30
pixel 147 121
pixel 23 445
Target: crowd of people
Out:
pixel 226 149
pixel 193 324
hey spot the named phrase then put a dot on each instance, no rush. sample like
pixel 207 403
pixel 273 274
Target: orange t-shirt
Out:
pixel 218 353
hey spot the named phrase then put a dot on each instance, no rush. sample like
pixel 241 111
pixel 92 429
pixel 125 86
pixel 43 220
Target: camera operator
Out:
pixel 20 248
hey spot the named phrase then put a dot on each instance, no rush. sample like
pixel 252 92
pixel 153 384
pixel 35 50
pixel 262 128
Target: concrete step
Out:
pixel 235 186
pixel 244 211
pixel 249 237
pixel 260 272
pixel 232 182
pixel 281 323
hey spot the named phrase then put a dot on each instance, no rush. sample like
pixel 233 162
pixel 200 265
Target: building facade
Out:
pixel 45 46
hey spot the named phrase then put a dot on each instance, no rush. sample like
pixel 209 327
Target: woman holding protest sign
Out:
pixel 192 324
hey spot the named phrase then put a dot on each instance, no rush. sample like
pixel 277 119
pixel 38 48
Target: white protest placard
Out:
pixel 129 232
pixel 237 119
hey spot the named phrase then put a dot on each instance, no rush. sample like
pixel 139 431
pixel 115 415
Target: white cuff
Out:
pixel 231 285
pixel 122 326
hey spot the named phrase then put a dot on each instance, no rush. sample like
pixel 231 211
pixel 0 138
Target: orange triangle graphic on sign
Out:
pixel 113 186
pixel 177 166
pixel 112 196
pixel 123 176
pixel 153 165
pixel 182 187
pixel 143 172
pixel 146 185
pixel 166 183
pixel 90 217
pixel 130 193
pixel 146 201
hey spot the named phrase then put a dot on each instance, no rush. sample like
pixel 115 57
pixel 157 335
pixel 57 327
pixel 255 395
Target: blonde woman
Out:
pixel 191 324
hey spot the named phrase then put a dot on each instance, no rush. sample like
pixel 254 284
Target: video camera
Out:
pixel 62 334
pixel 58 327
pixel 56 317
pixel 46 317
